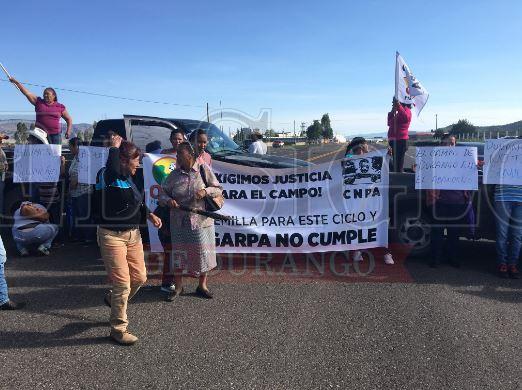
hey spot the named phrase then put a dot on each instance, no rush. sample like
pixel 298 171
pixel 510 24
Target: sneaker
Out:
pixel 42 249
pixel 123 338
pixel 388 259
pixel 357 256
pixel 10 305
pixel 24 252
pixel 513 271
pixel 503 271
pixel 168 287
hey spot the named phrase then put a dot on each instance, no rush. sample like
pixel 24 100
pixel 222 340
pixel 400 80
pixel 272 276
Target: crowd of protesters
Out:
pixel 188 237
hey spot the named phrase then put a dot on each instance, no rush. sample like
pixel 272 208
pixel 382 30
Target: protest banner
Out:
pixel 90 160
pixel 446 168
pixel 37 163
pixel 503 161
pixel 335 206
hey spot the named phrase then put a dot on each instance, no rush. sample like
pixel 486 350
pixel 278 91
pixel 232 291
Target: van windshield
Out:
pixel 218 141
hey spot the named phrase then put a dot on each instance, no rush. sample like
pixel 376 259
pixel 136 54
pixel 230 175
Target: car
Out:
pixel 278 144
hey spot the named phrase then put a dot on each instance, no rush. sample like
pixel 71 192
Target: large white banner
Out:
pixel 408 89
pixel 90 160
pixel 503 161
pixel 37 163
pixel 446 168
pixel 336 206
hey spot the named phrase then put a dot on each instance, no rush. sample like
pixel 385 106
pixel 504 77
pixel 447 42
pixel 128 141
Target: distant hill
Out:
pixel 8 126
pixel 510 128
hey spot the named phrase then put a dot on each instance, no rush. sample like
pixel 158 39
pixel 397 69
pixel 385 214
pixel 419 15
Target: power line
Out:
pixel 110 96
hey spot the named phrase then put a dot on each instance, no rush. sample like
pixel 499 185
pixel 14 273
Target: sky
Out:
pixel 293 60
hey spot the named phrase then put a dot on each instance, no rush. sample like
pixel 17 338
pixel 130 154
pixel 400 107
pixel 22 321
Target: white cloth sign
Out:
pixel 90 160
pixel 37 163
pixel 336 206
pixel 446 168
pixel 156 168
pixel 407 88
pixel 503 161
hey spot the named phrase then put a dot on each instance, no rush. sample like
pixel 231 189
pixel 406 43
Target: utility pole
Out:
pixel 208 116
pixel 294 128
pixel 221 116
pixel 303 126
pixel 436 124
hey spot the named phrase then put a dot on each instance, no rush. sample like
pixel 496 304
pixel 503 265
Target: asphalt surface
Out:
pixel 384 327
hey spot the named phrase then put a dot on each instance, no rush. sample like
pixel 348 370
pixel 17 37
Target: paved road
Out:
pixel 399 327
pixel 314 153
pixel 328 152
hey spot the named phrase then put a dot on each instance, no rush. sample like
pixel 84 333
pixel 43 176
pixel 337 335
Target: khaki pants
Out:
pixel 123 256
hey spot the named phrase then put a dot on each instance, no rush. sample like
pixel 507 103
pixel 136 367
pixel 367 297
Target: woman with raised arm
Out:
pixel 48 112
pixel 399 119
pixel 119 207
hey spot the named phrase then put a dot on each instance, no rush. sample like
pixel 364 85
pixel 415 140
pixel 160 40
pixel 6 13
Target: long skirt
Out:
pixel 194 251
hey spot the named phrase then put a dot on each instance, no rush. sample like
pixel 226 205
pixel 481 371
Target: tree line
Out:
pixel 22 133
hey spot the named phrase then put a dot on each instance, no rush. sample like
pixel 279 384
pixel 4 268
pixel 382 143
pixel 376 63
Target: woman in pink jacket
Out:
pixel 399 119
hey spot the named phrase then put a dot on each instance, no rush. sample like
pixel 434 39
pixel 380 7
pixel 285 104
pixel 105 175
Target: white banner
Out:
pixel 336 206
pixel 90 160
pixel 446 168
pixel 37 163
pixel 156 168
pixel 408 89
pixel 503 161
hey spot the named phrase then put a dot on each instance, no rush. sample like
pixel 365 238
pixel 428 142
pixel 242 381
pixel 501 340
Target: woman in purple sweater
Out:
pixel 48 112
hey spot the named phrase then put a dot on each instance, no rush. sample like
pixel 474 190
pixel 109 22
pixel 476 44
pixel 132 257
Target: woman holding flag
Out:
pixel 399 119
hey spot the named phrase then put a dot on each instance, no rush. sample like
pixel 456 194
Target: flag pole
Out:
pixel 394 152
pixel 8 75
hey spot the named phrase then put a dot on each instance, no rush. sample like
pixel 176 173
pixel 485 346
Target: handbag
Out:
pixel 211 203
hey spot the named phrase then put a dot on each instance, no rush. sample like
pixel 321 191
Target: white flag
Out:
pixel 407 88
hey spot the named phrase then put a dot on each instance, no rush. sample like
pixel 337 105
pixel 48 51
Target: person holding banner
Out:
pixel 49 193
pixel 80 195
pixel 48 112
pixel 119 208
pixel 451 210
pixel 199 140
pixel 399 119
pixel 192 235
pixel 508 213
pixel 359 146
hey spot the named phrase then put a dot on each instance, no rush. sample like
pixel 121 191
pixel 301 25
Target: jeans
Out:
pixel 451 217
pixel 81 222
pixel 122 253
pixel 54 139
pixel 509 231
pixel 4 297
pixel 42 234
